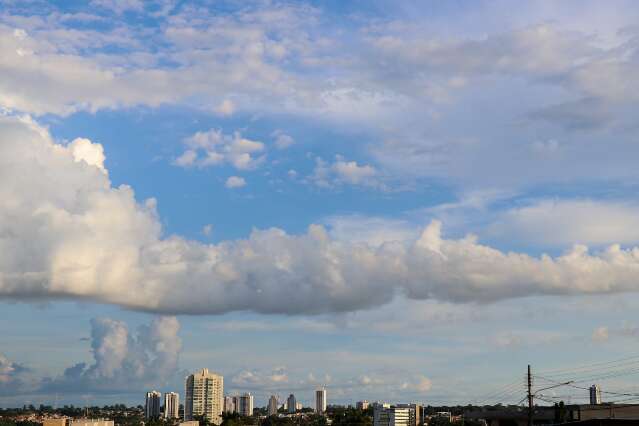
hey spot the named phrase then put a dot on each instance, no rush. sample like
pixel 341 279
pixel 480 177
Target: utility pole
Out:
pixel 530 398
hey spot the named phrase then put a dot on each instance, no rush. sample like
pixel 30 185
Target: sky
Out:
pixel 401 201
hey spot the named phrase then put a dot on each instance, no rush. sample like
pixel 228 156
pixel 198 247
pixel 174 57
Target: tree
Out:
pixel 350 417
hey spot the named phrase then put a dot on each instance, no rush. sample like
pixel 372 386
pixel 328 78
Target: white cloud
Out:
pixel 235 182
pixel 282 140
pixel 564 222
pixel 226 108
pixel 214 148
pixel 77 237
pixel 207 230
pixel 421 385
pixel 253 379
pixel 342 172
pixel 14 377
pixel 249 60
pixel 124 360
pixel 92 154
pixel 119 6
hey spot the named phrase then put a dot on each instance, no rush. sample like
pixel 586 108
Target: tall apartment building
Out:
pixel 595 395
pixel 415 412
pixel 291 403
pixel 386 415
pixel 272 405
pixel 320 401
pixel 204 396
pixel 171 405
pixel 152 405
pixel 380 413
pixel 229 404
pixel 362 405
pixel 245 407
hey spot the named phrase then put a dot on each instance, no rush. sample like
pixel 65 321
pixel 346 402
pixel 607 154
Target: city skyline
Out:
pixel 362 196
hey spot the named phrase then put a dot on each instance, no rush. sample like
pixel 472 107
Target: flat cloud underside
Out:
pixel 66 232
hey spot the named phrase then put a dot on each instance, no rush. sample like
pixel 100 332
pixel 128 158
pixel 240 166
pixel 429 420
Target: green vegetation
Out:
pixel 350 417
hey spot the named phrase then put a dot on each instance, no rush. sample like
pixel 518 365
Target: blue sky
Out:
pixel 379 197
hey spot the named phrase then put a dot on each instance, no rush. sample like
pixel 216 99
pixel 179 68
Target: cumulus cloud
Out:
pixel 214 148
pixel 13 376
pixel 123 360
pixel 235 182
pixel 91 153
pixel 342 172
pixel 282 140
pixel 78 237
pixel 422 384
pixel 254 379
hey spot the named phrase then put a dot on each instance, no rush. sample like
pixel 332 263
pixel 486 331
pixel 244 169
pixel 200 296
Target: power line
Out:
pixel 506 391
pixel 604 365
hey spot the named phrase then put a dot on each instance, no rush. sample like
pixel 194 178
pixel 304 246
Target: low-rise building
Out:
pixel 55 422
pixel 91 422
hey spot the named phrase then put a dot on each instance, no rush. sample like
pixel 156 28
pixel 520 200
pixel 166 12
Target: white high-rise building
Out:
pixel 291 403
pixel 386 415
pixel 362 405
pixel 229 404
pixel 152 405
pixel 171 405
pixel 246 405
pixel 272 405
pixel 399 417
pixel 320 401
pixel 595 395
pixel 204 396
pixel 415 412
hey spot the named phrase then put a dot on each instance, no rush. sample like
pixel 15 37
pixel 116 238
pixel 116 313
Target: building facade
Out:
pixel 595 395
pixel 362 405
pixel 245 407
pixel 272 406
pixel 204 396
pixel 152 405
pixel 91 422
pixel 229 404
pixel 380 413
pixel 415 412
pixel 387 415
pixel 291 404
pixel 171 405
pixel 55 422
pixel 320 401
